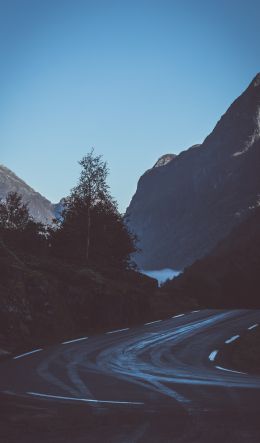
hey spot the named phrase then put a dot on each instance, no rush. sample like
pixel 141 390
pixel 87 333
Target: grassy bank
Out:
pixel 44 300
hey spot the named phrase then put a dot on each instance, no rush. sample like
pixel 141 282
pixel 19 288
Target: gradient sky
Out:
pixel 133 79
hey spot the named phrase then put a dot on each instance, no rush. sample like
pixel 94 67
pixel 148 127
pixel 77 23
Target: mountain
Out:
pixel 40 208
pixel 182 208
pixel 228 277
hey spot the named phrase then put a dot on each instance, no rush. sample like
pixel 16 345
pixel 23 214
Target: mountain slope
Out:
pixel 183 208
pixel 229 277
pixel 40 208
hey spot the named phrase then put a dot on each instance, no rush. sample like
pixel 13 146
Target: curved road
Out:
pixel 165 381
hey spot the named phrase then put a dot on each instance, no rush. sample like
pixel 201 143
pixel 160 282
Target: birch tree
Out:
pixel 91 189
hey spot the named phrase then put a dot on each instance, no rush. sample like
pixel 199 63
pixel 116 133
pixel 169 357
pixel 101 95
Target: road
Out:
pixel 165 381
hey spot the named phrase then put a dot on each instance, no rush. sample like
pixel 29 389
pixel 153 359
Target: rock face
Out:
pixel 183 208
pixel 40 208
pixel 164 160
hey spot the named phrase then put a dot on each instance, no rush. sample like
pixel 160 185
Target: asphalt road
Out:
pixel 166 381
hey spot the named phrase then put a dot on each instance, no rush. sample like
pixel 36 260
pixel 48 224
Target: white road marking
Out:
pixel 152 322
pixel 179 315
pixel 212 355
pixel 235 337
pixel 253 326
pixel 195 311
pixel 117 330
pixel 28 353
pixel 73 341
pixel 86 400
pixel 229 370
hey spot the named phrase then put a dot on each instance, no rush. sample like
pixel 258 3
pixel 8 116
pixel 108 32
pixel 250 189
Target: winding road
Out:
pixel 164 381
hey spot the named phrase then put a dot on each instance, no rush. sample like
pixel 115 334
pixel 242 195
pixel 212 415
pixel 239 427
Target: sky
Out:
pixel 133 79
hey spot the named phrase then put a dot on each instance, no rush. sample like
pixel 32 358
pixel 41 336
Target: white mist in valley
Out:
pixel 161 275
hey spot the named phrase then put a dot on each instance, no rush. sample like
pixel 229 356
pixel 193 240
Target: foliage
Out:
pixel 17 228
pixel 91 229
pixel 14 214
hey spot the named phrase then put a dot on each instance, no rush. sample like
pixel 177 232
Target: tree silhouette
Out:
pixel 91 189
pixel 91 228
pixel 17 227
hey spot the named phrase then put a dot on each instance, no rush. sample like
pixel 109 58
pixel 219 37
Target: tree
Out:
pixel 91 228
pixel 91 190
pixel 17 227
pixel 110 236
pixel 14 214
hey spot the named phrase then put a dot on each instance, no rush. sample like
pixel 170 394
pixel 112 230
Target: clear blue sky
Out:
pixel 134 79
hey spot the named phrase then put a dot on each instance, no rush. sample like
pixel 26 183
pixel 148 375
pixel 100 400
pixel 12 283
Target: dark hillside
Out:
pixel 229 277
pixel 43 300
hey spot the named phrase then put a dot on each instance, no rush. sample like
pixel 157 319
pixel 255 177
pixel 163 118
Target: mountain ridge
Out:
pixel 180 211
pixel 40 208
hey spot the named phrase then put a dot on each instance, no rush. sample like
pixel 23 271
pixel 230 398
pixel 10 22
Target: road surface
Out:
pixel 164 381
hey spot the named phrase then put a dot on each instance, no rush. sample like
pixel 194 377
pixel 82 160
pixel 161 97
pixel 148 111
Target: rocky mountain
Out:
pixel 183 207
pixel 164 160
pixel 40 208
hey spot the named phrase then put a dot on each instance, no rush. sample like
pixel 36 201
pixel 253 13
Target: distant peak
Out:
pixel 164 159
pixel 256 81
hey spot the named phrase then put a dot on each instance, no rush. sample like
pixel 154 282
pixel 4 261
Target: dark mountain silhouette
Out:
pixel 183 208
pixel 40 208
pixel 229 277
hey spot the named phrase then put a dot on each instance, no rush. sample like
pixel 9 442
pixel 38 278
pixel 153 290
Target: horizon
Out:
pixel 75 75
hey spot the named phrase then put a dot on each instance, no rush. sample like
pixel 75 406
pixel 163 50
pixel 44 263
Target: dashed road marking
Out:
pixel 235 337
pixel 179 315
pixel 212 355
pixel 73 341
pixel 152 322
pixel 27 353
pixel 118 330
pixel 253 326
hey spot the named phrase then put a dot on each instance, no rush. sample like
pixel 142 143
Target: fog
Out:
pixel 161 275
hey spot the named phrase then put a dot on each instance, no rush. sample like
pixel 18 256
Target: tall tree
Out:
pixel 91 228
pixel 91 189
